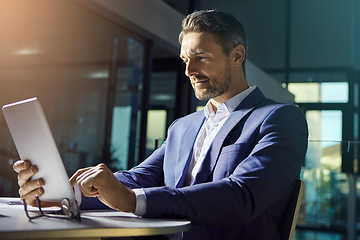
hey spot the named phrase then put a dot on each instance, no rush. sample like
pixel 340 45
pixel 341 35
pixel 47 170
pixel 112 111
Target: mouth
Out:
pixel 198 82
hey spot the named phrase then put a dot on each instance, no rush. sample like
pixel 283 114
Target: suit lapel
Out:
pixel 212 155
pixel 185 147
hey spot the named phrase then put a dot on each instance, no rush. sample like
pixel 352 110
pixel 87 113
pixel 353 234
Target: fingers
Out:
pixel 30 197
pixel 25 171
pixel 87 178
pixel 99 181
pixel 72 180
pixel 21 165
pixel 30 187
pixel 30 190
pixel 25 175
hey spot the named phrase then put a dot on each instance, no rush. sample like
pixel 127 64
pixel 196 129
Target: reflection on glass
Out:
pixel 305 92
pixel 120 135
pixel 127 104
pixel 325 197
pixel 325 134
pixel 326 191
pixel 162 105
pixel 156 128
pixel 325 92
pixel 66 62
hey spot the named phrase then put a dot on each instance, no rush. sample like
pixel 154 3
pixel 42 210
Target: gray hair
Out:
pixel 229 31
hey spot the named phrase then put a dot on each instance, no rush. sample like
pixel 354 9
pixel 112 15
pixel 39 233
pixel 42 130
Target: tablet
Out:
pixel 34 141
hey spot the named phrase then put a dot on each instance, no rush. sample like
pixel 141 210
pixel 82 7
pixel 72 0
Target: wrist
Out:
pixel 126 202
pixel 132 201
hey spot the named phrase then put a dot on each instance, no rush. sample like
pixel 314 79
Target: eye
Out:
pixel 201 58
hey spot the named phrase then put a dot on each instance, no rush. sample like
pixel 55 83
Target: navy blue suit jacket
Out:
pixel 245 180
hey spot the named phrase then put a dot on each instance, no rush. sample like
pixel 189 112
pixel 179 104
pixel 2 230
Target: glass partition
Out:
pixel 125 103
pixel 324 209
pixel 66 55
pixel 162 107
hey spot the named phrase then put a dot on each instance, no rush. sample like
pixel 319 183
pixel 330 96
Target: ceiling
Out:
pixel 285 34
pixel 281 34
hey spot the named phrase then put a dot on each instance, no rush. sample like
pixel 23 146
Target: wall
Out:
pixel 155 19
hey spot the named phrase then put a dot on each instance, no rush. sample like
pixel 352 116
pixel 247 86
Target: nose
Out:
pixel 191 68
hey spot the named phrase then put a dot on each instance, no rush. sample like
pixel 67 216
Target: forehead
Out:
pixel 195 42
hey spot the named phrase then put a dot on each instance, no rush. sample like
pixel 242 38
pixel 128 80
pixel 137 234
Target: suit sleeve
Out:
pixel 147 174
pixel 258 181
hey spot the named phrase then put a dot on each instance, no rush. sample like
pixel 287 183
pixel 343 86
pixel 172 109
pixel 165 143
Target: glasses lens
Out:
pixel 70 209
pixel 66 207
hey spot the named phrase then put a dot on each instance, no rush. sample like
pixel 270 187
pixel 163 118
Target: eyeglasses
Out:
pixel 69 210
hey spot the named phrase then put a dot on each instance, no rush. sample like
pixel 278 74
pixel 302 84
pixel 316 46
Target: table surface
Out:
pixel 94 224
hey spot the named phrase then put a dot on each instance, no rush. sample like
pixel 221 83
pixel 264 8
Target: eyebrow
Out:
pixel 195 54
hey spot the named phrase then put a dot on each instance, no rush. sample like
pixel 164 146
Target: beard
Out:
pixel 214 88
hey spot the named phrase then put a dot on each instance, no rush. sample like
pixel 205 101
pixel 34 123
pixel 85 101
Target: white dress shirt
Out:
pixel 211 126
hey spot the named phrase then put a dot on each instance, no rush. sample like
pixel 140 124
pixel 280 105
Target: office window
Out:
pixel 156 129
pixel 325 136
pixel 326 92
pixel 326 186
pixel 319 87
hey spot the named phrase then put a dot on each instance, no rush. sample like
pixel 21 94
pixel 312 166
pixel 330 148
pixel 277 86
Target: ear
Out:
pixel 239 54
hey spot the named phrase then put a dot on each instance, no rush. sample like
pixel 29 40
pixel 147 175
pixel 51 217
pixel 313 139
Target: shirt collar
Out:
pixel 230 105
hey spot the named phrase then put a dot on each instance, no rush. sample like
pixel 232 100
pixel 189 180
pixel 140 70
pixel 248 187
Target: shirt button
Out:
pixel 216 124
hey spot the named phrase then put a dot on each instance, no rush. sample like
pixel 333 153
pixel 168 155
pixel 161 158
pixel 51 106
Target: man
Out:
pixel 230 168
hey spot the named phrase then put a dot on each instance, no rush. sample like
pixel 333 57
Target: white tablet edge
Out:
pixel 34 141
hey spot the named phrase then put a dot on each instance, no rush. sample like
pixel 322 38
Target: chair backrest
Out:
pixel 288 222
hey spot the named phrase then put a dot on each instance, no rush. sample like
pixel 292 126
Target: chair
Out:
pixel 288 221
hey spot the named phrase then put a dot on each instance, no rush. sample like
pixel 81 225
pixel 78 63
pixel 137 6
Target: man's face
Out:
pixel 207 66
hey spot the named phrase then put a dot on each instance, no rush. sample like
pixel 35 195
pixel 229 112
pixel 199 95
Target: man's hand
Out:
pixel 100 182
pixel 29 188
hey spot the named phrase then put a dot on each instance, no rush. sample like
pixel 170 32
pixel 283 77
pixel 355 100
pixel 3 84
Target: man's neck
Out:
pixel 215 102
